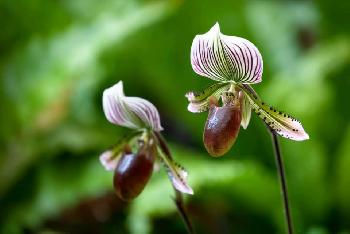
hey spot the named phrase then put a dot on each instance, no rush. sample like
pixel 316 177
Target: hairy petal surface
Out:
pixel 284 124
pixel 130 112
pixel 226 58
pixel 200 101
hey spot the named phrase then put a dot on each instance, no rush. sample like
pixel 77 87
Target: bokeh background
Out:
pixel 57 57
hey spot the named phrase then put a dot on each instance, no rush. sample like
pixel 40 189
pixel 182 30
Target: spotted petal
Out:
pixel 177 174
pixel 200 101
pixel 284 124
pixel 130 112
pixel 226 58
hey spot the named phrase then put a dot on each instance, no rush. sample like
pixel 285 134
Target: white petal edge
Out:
pixel 109 160
pixel 130 112
pixel 226 58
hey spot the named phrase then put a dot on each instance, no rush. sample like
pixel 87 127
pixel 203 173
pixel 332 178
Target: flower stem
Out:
pixel 182 211
pixel 179 202
pixel 283 182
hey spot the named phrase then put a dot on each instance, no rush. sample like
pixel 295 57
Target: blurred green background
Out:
pixel 57 57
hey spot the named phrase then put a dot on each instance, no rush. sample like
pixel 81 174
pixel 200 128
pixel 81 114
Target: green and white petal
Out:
pixel 130 112
pixel 200 101
pixel 177 174
pixel 226 58
pixel 283 124
pixel 246 111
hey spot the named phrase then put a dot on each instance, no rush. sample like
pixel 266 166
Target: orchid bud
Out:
pixel 134 170
pixel 222 126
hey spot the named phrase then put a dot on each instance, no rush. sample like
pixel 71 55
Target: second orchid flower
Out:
pixel 132 158
pixel 234 63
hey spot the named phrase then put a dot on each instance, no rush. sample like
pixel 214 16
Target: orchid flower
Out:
pixel 132 158
pixel 235 64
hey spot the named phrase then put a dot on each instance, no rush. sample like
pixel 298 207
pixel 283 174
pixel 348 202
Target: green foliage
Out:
pixel 57 58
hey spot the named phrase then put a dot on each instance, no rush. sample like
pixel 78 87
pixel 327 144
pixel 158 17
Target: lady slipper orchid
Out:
pixel 234 63
pixel 132 158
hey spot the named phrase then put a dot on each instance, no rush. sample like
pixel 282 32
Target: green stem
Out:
pixel 283 182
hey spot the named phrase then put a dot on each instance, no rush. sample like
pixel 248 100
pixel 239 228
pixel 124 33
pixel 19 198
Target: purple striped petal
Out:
pixel 226 58
pixel 130 112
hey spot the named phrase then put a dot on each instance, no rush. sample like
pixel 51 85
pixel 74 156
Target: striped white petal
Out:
pixel 282 123
pixel 130 112
pixel 226 58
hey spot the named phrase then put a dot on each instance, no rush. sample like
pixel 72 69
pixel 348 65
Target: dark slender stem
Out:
pixel 182 211
pixel 179 202
pixel 283 182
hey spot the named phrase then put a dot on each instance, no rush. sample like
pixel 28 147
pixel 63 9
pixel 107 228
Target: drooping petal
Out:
pixel 284 124
pixel 226 58
pixel 246 111
pixel 130 112
pixel 199 101
pixel 177 174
